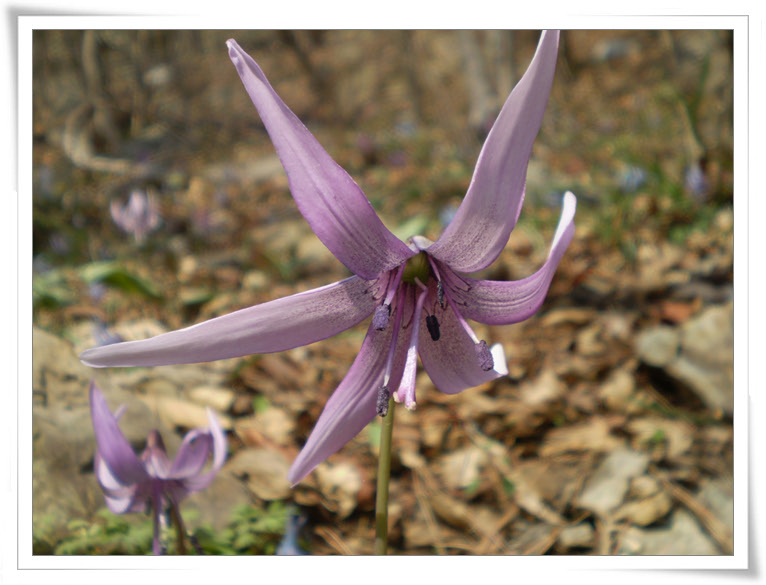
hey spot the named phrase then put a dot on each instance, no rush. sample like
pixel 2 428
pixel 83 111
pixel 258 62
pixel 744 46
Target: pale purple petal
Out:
pixel 329 199
pixel 277 325
pixel 483 223
pixel 113 447
pixel 119 497
pixel 122 501
pixel 505 302
pixel 452 362
pixel 192 454
pixel 154 457
pixel 219 445
pixel 353 404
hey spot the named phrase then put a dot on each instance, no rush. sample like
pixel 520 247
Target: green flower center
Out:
pixel 417 267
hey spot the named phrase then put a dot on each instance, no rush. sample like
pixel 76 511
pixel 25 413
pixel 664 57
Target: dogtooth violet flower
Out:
pixel 133 483
pixel 139 216
pixel 417 292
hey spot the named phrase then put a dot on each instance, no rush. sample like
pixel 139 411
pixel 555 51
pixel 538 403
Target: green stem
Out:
pixel 175 515
pixel 384 474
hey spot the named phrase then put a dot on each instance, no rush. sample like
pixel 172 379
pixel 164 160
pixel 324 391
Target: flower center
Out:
pixel 417 267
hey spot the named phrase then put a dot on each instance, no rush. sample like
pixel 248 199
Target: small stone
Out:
pixel 255 280
pixel 175 412
pixel 216 397
pixel 579 536
pixel 658 346
pixel 264 472
pixel 647 511
pixel 340 484
pixel 683 536
pixel 644 486
pixel 618 392
pixel 606 488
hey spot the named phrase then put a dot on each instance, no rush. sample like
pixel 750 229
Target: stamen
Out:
pixel 394 337
pixel 381 316
pixel 433 327
pixel 383 396
pixel 394 286
pixel 486 362
pixel 483 355
pixel 383 311
pixel 440 293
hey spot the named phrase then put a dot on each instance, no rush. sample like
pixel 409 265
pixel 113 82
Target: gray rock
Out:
pixel 264 471
pixel 658 346
pixel 706 363
pixel 717 496
pixel 580 535
pixel 606 488
pixel 699 354
pixel 684 536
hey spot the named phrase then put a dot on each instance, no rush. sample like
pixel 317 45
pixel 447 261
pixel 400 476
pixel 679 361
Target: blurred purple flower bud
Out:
pixel 696 182
pixel 139 216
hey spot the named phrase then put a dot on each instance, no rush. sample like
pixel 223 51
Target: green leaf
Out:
pixel 117 276
pixel 52 290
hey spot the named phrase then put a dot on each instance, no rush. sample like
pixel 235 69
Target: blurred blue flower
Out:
pixel 289 546
pixel 631 178
pixel 696 182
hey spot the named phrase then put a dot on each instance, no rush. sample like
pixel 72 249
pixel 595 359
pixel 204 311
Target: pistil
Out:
pixel 406 391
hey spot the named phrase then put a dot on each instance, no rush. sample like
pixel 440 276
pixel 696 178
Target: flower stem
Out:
pixel 180 532
pixel 384 474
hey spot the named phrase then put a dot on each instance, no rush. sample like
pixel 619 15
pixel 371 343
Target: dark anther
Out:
pixel 381 316
pixel 440 293
pixel 486 362
pixel 383 396
pixel 433 327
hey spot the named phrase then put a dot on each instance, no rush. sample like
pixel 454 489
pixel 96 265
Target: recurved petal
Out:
pixel 119 497
pixel 485 218
pixel 192 454
pixel 505 302
pixel 113 447
pixel 329 199
pixel 216 443
pixel 353 404
pixel 277 325
pixel 451 361
pixel 122 501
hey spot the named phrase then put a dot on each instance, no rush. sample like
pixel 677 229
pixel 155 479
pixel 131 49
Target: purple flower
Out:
pixel 134 483
pixel 139 216
pixel 416 292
